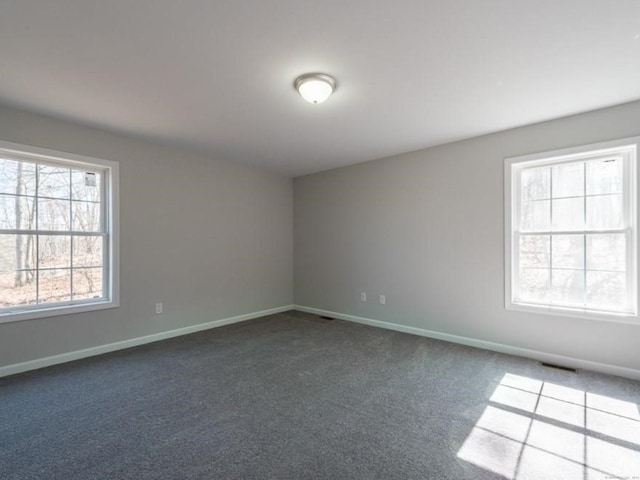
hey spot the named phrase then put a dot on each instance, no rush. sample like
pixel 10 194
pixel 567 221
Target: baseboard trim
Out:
pixel 133 342
pixel 472 342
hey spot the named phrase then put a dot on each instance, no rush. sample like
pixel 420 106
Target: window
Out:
pixel 570 226
pixel 58 233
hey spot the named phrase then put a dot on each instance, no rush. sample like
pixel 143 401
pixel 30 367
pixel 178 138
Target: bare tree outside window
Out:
pixel 52 240
pixel 571 231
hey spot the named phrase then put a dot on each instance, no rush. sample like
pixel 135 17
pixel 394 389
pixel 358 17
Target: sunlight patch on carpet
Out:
pixel 538 430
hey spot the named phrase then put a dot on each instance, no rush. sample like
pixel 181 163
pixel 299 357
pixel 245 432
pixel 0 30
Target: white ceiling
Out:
pixel 216 76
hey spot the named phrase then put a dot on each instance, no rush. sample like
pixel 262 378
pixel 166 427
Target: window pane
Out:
pixel 54 214
pixel 17 178
pixel 568 251
pixel 86 216
pixel 606 252
pixel 7 252
pixel 87 251
pixel 568 214
pixel 534 251
pixel 606 289
pixel 567 180
pixel 85 185
pixel 534 284
pixel 87 283
pixel 604 212
pixel 604 176
pixel 535 216
pixel 54 182
pixel 54 251
pixel 63 209
pixel 54 285
pixel 17 252
pixel 17 288
pixel 535 183
pixel 567 287
pixel 17 216
pixel 572 227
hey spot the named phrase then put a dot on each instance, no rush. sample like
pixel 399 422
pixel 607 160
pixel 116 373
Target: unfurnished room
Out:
pixel 287 240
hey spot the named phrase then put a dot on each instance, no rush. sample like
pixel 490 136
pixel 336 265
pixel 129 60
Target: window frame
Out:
pixel 111 229
pixel 628 149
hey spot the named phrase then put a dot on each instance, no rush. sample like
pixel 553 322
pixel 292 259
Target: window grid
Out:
pixel 71 232
pixel 576 299
pixel 551 234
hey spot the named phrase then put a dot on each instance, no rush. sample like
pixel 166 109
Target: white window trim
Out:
pixel 573 154
pixel 112 219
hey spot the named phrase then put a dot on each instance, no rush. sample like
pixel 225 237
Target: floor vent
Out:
pixel 559 367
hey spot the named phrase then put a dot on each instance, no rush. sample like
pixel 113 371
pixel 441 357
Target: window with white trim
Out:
pixel 571 231
pixel 58 233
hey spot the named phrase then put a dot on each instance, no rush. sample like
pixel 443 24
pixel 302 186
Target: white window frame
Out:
pixel 111 291
pixel 628 149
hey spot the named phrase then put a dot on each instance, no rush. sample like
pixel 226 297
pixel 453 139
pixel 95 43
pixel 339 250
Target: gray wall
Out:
pixel 209 239
pixel 426 230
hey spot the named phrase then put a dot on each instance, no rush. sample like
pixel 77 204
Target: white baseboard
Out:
pixel 132 342
pixel 472 342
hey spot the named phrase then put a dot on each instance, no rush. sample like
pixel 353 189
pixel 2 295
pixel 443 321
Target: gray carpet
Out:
pixel 292 396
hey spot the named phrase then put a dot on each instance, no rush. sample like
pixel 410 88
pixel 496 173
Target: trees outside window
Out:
pixel 56 232
pixel 571 235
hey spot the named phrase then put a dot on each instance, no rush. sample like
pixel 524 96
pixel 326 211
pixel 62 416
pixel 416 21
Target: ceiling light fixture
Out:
pixel 315 87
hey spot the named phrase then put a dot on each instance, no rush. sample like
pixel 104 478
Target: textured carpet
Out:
pixel 293 396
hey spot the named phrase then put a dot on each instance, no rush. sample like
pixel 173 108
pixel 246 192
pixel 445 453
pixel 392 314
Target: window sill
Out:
pixel 626 318
pixel 53 311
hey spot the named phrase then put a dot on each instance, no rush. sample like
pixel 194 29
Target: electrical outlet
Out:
pixel 383 299
pixel 363 296
pixel 159 308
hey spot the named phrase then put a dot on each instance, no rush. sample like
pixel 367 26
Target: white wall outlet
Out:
pixel 363 296
pixel 159 308
pixel 383 299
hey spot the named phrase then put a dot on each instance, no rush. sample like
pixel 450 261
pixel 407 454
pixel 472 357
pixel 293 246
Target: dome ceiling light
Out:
pixel 315 87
